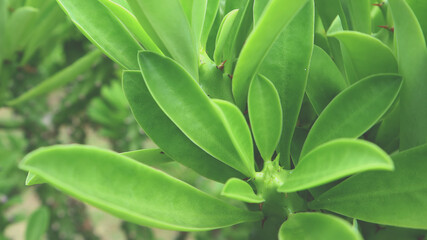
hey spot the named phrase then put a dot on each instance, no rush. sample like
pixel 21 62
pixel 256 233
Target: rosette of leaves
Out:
pixel 356 149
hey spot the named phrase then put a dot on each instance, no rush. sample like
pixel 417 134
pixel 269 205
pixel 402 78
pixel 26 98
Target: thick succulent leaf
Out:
pixel 240 190
pixel 286 66
pixel 38 224
pixel 354 110
pixel 150 197
pixel 165 21
pixel 359 14
pixel 195 11
pixel 213 82
pixel 392 198
pixel 19 26
pixel 278 14
pixel 176 92
pixel 387 136
pixel 211 13
pixel 167 135
pixel 420 8
pixel 364 55
pixel 98 24
pixel 325 80
pixel 223 35
pixel 317 226
pixel 329 10
pixel 412 59
pixel 131 23
pixel 334 160
pixel 33 179
pixel 150 157
pixel 61 78
pixel 238 130
pixel 259 6
pixel 265 114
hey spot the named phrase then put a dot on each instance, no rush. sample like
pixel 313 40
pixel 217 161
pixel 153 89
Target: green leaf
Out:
pixel 334 160
pixel 317 226
pixel 286 66
pixel 240 190
pixel 38 224
pixel 59 79
pixel 265 114
pixel 211 12
pixel 259 6
pixel 195 11
pixel 392 198
pixel 165 134
pixel 150 157
pixel 166 23
pixel 364 55
pixel 213 82
pixel 412 59
pixel 33 179
pixel 325 80
pixel 354 110
pixel 3 31
pixel 278 14
pixel 98 24
pixel 19 26
pixel 132 24
pixel 176 92
pixel 150 197
pixel 387 136
pixel 329 10
pixel 420 8
pixel 223 35
pixel 297 142
pixel 359 14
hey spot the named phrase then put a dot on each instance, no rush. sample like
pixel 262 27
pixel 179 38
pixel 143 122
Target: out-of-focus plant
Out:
pixel 219 86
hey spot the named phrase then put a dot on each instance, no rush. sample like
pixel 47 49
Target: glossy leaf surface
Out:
pixel 395 198
pixel 317 226
pixel 240 190
pixel 325 80
pixel 412 58
pixel 150 157
pixel 150 197
pixel 278 14
pixel 104 30
pixel 59 79
pixel 131 23
pixel 359 15
pixel 354 110
pixel 165 21
pixel 167 135
pixel 211 13
pixel 223 35
pixel 33 179
pixel 334 160
pixel 259 6
pixel 176 92
pixel 364 55
pixel 265 114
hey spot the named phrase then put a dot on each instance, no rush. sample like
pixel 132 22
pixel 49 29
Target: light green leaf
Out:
pixel 3 31
pixel 223 35
pixel 354 110
pixel 364 55
pixel 165 134
pixel 240 190
pixel 286 66
pixel 98 24
pixel 19 26
pixel 150 197
pixel 358 14
pixel 166 23
pixel 329 10
pixel 150 157
pixel 214 82
pixel 278 14
pixel 392 198
pixel 211 12
pixel 176 92
pixel 325 80
pixel 59 79
pixel 259 6
pixel 33 179
pixel 412 59
pixel 265 114
pixel 317 226
pixel 334 160
pixel 38 224
pixel 132 24
pixel 420 8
